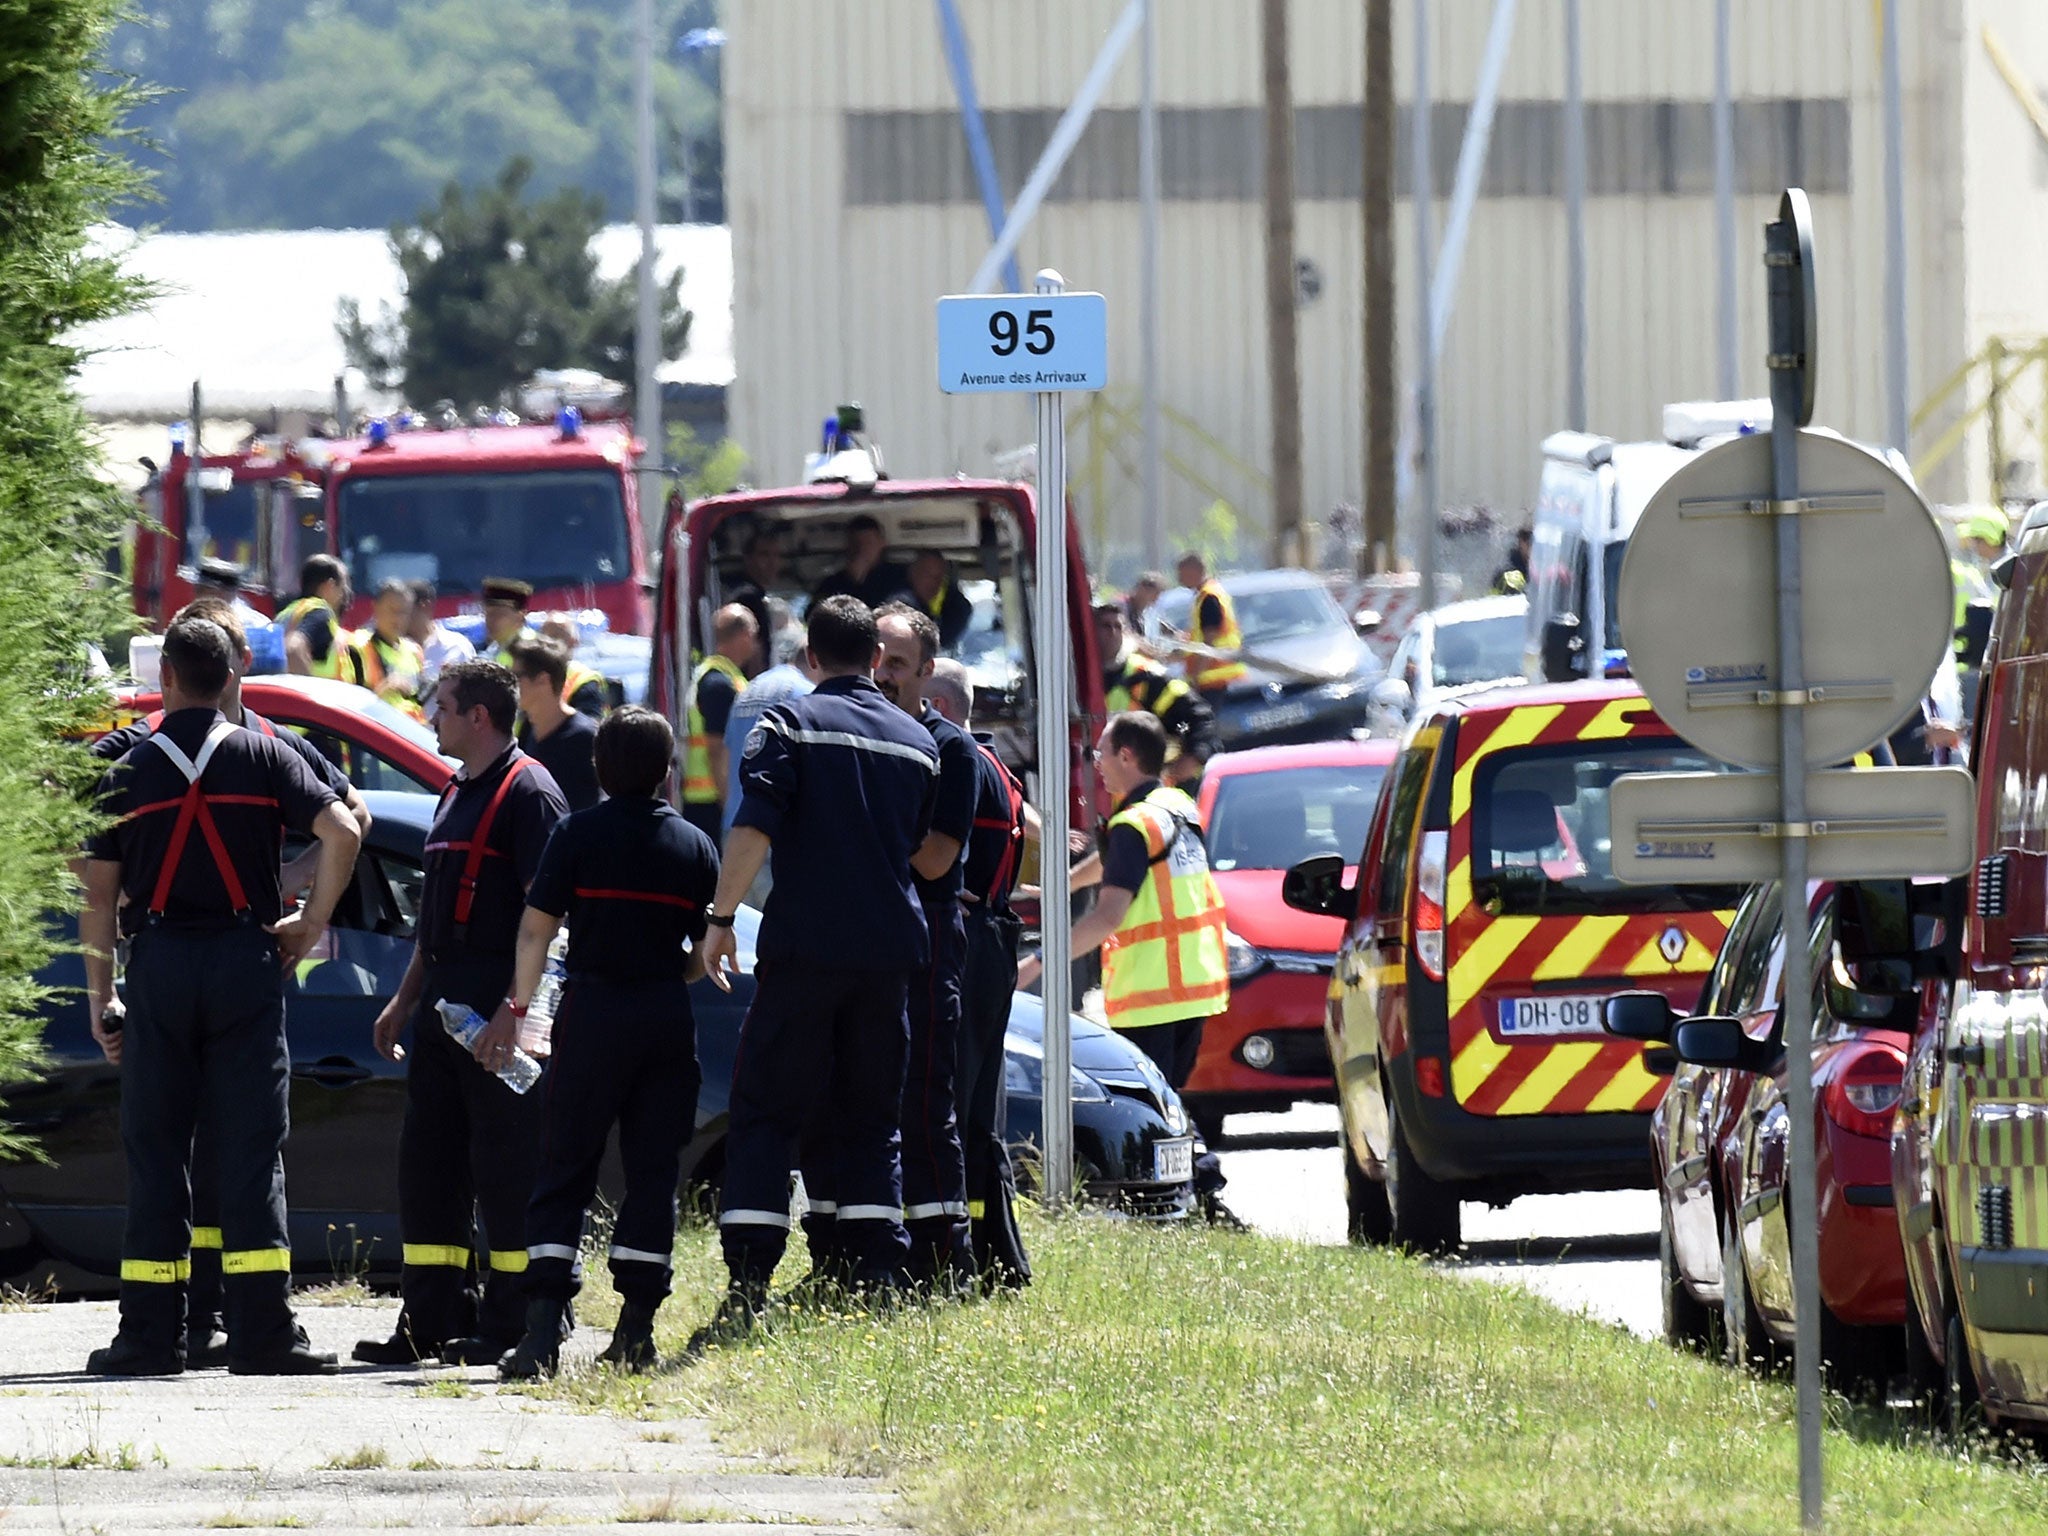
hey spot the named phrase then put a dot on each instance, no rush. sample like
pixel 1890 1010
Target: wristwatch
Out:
pixel 717 919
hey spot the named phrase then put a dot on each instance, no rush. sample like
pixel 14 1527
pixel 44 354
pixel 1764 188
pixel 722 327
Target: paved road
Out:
pixel 1592 1253
pixel 362 1450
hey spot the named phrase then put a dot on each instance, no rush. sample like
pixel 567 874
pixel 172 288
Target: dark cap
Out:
pixel 216 572
pixel 502 589
pixel 864 523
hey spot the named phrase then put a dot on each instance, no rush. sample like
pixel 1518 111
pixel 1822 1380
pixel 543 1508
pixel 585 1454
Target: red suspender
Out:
pixel 479 845
pixel 1006 867
pixel 196 807
pixel 658 898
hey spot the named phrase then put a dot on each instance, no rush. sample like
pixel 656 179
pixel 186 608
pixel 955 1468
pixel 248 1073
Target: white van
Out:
pixel 1593 491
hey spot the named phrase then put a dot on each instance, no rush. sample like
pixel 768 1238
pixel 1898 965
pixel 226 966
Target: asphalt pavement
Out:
pixel 1595 1254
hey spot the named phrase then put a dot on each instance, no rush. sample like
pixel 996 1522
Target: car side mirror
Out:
pixel 1392 694
pixel 1316 886
pixel 1713 1041
pixel 1365 622
pixel 1564 649
pixel 1644 1016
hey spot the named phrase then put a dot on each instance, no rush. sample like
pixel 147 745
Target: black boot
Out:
pixel 737 1316
pixel 206 1346
pixel 298 1358
pixel 540 1352
pixel 632 1345
pixel 404 1347
pixel 128 1356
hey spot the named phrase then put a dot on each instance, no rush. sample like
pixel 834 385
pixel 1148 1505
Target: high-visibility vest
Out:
pixel 581 677
pixel 1166 960
pixel 1122 693
pixel 1202 672
pixel 392 672
pixel 1972 591
pixel 700 785
pixel 337 660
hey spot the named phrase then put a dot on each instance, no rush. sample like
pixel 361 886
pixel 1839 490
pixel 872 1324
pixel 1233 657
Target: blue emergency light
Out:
pixel 569 422
pixel 380 432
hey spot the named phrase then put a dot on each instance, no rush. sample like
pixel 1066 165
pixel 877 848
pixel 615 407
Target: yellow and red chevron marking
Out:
pixel 1494 957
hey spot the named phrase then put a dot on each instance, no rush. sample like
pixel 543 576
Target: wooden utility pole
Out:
pixel 1283 367
pixel 1382 352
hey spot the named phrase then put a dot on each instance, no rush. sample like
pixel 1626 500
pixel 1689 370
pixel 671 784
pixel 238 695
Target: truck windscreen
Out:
pixel 553 528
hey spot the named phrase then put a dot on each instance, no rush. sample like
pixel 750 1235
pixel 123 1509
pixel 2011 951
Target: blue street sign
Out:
pixel 1023 343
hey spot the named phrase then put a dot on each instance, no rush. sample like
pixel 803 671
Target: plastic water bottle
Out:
pixel 537 1029
pixel 464 1024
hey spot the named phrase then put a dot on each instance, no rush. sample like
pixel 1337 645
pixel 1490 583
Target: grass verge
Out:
pixel 1207 1382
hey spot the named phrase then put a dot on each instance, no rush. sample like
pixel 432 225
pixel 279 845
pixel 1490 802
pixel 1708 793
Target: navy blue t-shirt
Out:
pixel 633 878
pixel 843 783
pixel 992 837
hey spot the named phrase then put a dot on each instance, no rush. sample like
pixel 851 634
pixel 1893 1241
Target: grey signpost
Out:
pixel 1042 343
pixel 1791 675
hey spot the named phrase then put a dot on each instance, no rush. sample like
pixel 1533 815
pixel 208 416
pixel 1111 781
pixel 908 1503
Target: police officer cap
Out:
pixel 216 572
pixel 1988 524
pixel 502 589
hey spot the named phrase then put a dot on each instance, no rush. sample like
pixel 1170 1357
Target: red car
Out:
pixel 1720 1140
pixel 1264 811
pixel 381 747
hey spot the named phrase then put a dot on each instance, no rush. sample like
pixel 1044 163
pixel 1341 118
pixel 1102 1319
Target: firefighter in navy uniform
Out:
pixel 206 1341
pixel 934 1172
pixel 189 872
pixel 841 784
pixel 634 879
pixel 469 1141
pixel 1002 824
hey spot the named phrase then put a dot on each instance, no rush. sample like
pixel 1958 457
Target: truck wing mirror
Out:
pixel 1644 1016
pixel 1316 886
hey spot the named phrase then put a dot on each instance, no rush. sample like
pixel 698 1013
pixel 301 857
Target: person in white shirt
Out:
pixel 443 646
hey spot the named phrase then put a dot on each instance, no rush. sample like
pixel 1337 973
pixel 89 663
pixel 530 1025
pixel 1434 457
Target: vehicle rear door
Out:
pixel 1539 931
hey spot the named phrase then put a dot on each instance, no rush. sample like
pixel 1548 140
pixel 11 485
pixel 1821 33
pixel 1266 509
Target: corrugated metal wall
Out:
pixel 853 211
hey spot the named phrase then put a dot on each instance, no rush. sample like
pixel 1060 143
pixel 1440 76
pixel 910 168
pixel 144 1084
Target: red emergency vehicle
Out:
pixel 259 506
pixel 985 529
pixel 555 505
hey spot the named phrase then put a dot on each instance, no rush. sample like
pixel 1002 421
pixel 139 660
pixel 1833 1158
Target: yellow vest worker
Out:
pixel 1214 623
pixel 586 690
pixel 391 669
pixel 703 780
pixel 322 661
pixel 1159 918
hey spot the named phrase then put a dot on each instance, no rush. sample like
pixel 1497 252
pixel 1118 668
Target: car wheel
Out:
pixel 1424 1211
pixel 1369 1219
pixel 1926 1378
pixel 1689 1323
pixel 1745 1344
pixel 1964 1414
pixel 1857 1359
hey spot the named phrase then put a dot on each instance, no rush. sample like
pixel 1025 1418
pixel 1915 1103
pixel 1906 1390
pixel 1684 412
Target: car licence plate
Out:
pixel 1173 1162
pixel 1278 718
pixel 1535 1017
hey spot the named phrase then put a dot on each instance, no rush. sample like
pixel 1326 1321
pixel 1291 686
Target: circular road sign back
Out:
pixel 1698 603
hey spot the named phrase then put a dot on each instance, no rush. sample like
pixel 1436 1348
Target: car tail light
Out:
pixel 1429 1076
pixel 1861 1099
pixel 1429 903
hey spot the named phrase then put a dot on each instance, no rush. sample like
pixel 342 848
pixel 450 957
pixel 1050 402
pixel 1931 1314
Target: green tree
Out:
pixel 332 113
pixel 497 286
pixel 59 175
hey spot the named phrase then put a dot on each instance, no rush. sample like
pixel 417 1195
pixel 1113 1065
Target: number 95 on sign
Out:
pixel 1023 343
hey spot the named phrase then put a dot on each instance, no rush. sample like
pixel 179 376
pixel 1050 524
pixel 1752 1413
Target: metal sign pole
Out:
pixel 1054 780
pixel 1788 262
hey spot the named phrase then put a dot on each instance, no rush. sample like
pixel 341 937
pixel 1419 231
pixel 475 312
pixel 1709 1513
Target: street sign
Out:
pixel 1699 611
pixel 1723 828
pixel 1023 343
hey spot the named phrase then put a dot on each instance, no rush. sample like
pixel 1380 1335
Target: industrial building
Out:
pixel 854 206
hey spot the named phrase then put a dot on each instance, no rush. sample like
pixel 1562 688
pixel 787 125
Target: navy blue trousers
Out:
pixel 625 1054
pixel 821 1055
